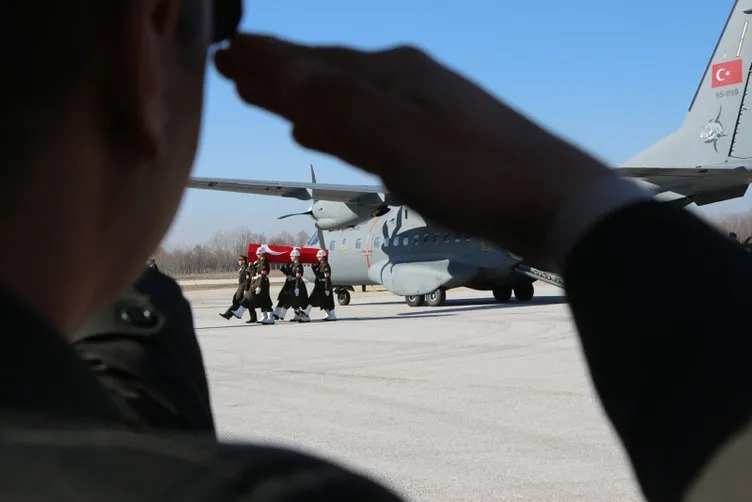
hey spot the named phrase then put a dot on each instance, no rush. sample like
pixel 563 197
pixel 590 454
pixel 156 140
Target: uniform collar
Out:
pixel 41 374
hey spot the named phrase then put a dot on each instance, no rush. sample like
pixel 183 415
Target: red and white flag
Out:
pixel 728 73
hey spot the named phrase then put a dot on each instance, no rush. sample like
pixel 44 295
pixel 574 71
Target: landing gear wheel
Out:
pixel 436 298
pixel 343 297
pixel 502 295
pixel 524 292
pixel 415 300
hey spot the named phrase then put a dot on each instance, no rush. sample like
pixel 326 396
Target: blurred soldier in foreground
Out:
pixel 143 349
pixel 101 122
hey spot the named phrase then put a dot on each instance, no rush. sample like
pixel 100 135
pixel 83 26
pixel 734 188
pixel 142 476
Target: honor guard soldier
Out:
pixel 152 264
pixel 284 298
pixel 322 295
pixel 236 308
pixel 747 244
pixel 259 287
pixel 298 290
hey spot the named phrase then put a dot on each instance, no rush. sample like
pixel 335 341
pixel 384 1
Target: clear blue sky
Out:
pixel 613 77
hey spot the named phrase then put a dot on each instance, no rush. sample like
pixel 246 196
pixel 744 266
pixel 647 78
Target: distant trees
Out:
pixel 740 224
pixel 220 252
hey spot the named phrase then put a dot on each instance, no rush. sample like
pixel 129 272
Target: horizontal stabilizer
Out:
pixel 703 185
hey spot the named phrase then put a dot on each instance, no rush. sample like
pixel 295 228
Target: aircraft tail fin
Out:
pixel 718 125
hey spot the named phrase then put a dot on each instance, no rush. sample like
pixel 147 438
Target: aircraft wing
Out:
pixel 702 185
pixel 367 195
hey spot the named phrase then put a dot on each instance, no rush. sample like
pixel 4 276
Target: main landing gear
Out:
pixel 433 299
pixel 343 296
pixel 523 292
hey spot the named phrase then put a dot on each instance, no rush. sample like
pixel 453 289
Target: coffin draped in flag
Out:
pixel 281 254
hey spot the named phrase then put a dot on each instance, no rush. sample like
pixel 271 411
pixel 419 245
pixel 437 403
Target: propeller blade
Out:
pixel 314 195
pixel 309 213
pixel 320 234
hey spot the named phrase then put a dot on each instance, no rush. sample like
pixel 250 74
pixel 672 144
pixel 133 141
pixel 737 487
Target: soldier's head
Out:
pixel 321 255
pixel 242 259
pixel 99 123
pixel 295 255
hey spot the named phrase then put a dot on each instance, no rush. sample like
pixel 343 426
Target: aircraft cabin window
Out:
pixel 436 238
pixel 344 242
pixel 331 245
pixel 468 239
pixel 416 240
pixel 377 242
pixel 406 241
pixel 358 243
pixel 457 238
pixel 426 238
pixel 395 241
pixel 446 238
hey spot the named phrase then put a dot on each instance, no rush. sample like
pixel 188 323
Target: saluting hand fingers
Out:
pixel 341 114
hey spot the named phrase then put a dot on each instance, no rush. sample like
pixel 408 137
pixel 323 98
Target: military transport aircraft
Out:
pixel 374 239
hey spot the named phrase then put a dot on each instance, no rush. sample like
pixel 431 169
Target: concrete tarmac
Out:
pixel 473 401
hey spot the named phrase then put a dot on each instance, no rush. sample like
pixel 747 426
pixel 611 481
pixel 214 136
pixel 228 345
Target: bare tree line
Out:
pixel 219 254
pixel 740 224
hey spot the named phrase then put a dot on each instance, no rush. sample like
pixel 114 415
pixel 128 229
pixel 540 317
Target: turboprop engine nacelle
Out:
pixel 336 215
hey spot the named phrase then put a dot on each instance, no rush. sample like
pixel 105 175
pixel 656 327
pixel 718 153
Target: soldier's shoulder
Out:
pixel 119 465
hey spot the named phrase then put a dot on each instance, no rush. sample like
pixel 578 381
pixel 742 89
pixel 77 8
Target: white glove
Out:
pixel 258 291
pixel 297 292
pixel 327 293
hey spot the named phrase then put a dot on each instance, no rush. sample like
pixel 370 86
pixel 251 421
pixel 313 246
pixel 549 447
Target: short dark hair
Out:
pixel 52 42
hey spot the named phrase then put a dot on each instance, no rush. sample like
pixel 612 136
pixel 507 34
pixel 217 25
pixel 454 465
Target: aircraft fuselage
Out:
pixel 411 256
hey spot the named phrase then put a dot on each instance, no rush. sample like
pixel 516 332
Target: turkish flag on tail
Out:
pixel 728 73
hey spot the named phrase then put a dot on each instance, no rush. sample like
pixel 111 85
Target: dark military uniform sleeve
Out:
pixel 674 373
pixel 144 351
pixel 45 465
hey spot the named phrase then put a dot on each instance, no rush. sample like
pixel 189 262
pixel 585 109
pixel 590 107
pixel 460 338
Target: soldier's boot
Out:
pixel 329 316
pixel 281 315
pixel 227 314
pixel 268 319
pixel 296 317
pixel 253 319
pixel 238 312
pixel 277 311
pixel 305 315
